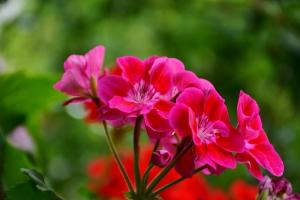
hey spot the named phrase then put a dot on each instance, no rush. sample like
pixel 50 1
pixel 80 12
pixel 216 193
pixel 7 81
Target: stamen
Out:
pixel 143 92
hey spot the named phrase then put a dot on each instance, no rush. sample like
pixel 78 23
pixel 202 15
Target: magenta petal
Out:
pixel 162 71
pixel 268 158
pixel 94 59
pixel 261 138
pixel 251 164
pixel 75 67
pixel 205 85
pixel 155 135
pixel 123 104
pixel 185 79
pixel 215 108
pixel 111 114
pixel 75 61
pixel 247 108
pixel 193 98
pixel 163 107
pixel 133 68
pixel 220 156
pixel 232 143
pixel 69 85
pixel 148 62
pixel 110 86
pixel 157 122
pixel 202 157
pixel 180 119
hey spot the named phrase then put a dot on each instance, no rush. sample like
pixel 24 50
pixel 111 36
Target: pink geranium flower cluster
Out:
pixel 184 116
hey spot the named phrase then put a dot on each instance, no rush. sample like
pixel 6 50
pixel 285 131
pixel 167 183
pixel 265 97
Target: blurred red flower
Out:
pixel 107 182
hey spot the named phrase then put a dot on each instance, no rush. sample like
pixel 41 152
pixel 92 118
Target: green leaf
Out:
pixel 36 177
pixel 23 94
pixel 14 160
pixel 28 191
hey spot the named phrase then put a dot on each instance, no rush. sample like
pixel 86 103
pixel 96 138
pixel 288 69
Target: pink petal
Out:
pixel 133 68
pixel 162 71
pixel 249 121
pixel 232 143
pixel 251 164
pixel 70 85
pixel 163 107
pixel 220 156
pixel 260 139
pixel 94 59
pixel 268 158
pixel 155 135
pixel 202 157
pixel 185 79
pixel 215 108
pixel 252 128
pixel 123 104
pixel 205 85
pixel 180 119
pixel 193 98
pixel 157 122
pixel 148 62
pixel 112 114
pixel 110 86
pixel 75 61
pixel 247 109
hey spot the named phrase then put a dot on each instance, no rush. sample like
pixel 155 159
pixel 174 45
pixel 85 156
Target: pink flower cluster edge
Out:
pixel 177 108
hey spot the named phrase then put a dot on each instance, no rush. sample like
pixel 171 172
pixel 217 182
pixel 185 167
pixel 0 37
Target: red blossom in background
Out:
pixel 107 182
pixel 240 190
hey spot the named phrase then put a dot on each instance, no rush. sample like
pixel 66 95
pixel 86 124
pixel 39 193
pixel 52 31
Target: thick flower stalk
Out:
pixel 184 116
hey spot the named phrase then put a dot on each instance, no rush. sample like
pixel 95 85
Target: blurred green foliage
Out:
pixel 252 45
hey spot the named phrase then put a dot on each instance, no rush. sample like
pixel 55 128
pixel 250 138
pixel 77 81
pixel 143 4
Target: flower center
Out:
pixel 143 92
pixel 206 131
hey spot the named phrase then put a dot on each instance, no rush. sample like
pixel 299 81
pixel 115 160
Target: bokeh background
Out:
pixel 253 45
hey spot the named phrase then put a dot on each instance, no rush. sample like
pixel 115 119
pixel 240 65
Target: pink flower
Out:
pixel 81 75
pixel 258 150
pixel 141 85
pixel 202 116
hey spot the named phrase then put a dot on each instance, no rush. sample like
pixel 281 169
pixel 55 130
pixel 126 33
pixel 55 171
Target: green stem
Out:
pixel 148 170
pixel 117 157
pixel 136 150
pixel 176 181
pixel 164 172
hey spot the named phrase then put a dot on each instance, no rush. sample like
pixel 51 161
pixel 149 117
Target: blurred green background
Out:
pixel 253 45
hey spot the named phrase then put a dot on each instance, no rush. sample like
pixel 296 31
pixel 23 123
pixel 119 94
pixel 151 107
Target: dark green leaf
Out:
pixel 14 161
pixel 28 191
pixel 36 177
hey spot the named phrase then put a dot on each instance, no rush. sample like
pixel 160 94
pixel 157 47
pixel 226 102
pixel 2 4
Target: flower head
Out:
pixel 81 75
pixel 202 115
pixel 258 150
pixel 280 189
pixel 141 85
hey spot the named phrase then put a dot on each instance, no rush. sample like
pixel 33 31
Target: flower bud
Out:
pixel 279 189
pixel 161 157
